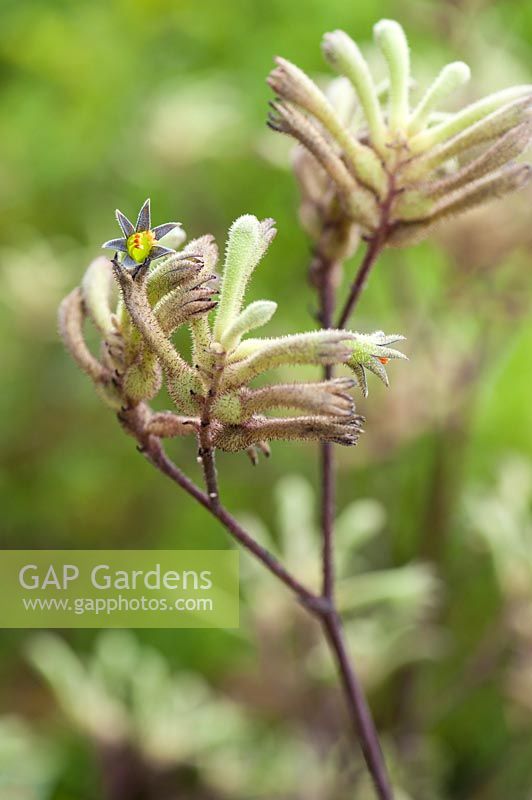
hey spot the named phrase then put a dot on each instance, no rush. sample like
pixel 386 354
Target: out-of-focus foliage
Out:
pixel 155 726
pixel 501 518
pixel 106 101
pixel 386 610
pixel 28 764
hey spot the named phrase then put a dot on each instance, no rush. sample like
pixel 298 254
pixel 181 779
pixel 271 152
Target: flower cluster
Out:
pixel 137 350
pixel 396 169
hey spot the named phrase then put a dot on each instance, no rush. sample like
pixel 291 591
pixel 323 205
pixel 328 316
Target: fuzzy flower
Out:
pixel 399 169
pixel 370 351
pixel 139 242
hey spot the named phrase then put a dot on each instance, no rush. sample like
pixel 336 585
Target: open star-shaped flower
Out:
pixel 139 242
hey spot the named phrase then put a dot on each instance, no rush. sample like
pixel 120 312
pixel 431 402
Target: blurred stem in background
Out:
pixel 324 273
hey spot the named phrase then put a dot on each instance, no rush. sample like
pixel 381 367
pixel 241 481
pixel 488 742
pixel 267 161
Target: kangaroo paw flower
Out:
pixel 139 242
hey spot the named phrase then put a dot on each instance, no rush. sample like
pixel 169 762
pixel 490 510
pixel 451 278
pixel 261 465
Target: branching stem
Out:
pixel 206 451
pixel 373 250
pixel 151 447
pixel 134 421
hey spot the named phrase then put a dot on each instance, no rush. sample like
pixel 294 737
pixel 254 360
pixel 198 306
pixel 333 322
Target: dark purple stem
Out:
pixel 206 452
pixel 375 245
pixel 154 452
pixel 359 710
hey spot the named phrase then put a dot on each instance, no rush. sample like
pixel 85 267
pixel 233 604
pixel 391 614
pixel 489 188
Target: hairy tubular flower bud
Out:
pixel 292 84
pixel 96 288
pixel 252 317
pixel 467 117
pixel 391 39
pixel 255 356
pixel 451 77
pixel 345 57
pixel 180 376
pixel 311 428
pixel 360 202
pixel 496 124
pixel 509 147
pixel 71 318
pixel 508 179
pixel 179 270
pixel 167 425
pixel 183 304
pixel 240 259
pixel 142 380
pixel 330 398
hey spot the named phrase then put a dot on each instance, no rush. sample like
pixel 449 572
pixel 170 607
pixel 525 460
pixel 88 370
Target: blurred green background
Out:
pixel 109 101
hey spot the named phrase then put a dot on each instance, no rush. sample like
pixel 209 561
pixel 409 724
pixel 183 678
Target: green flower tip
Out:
pixel 246 226
pixel 390 33
pixel 341 51
pixel 457 72
pixel 139 242
pixel 246 244
pixel 371 351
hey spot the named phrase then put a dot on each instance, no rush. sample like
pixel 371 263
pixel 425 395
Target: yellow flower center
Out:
pixel 139 245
